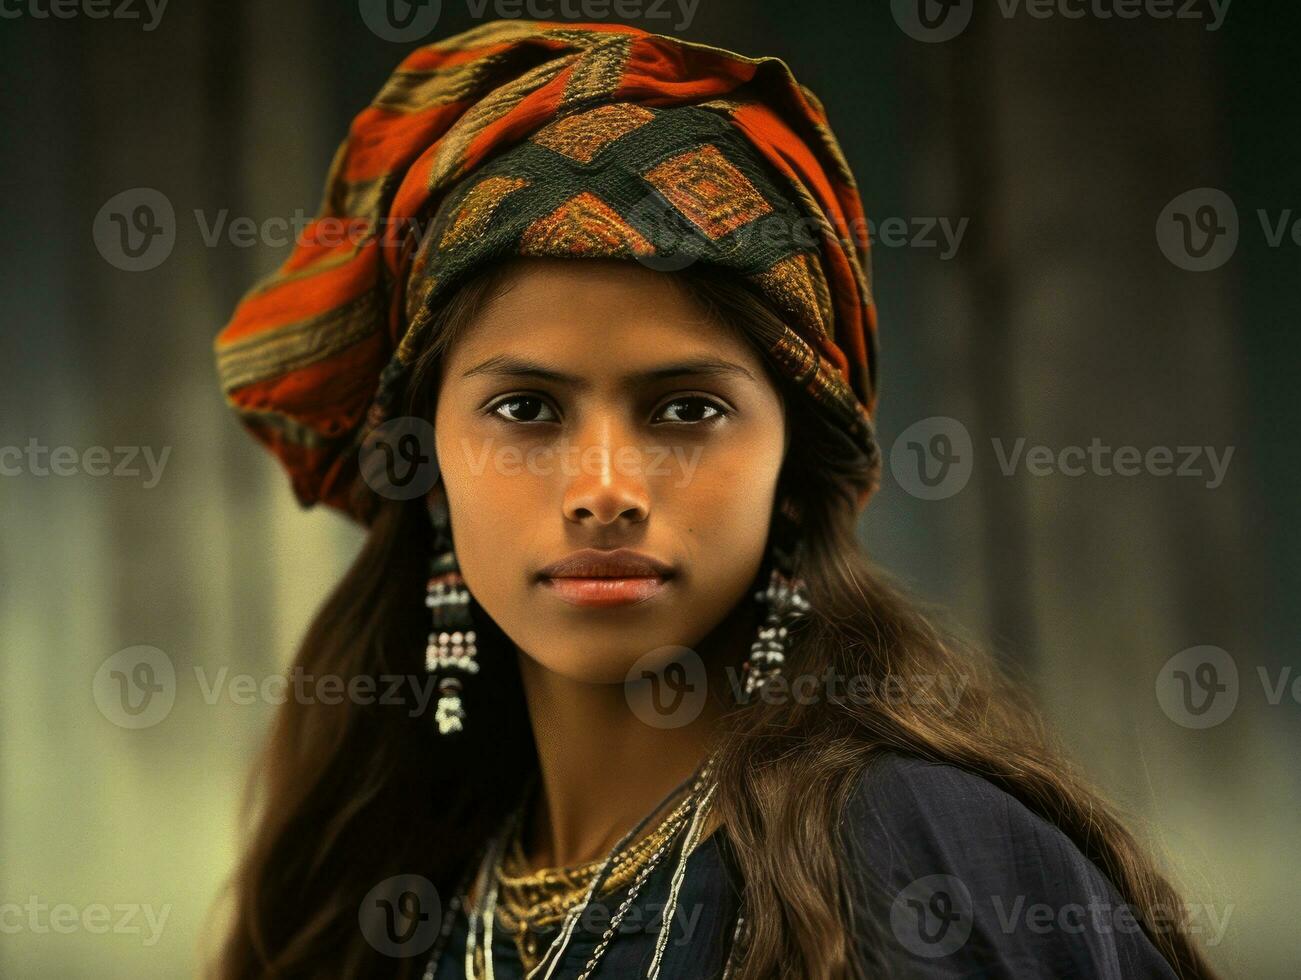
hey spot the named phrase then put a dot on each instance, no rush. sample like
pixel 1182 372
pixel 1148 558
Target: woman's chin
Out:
pixel 604 663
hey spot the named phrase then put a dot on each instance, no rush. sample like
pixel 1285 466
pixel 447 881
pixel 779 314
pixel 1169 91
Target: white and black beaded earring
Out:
pixel 451 650
pixel 784 600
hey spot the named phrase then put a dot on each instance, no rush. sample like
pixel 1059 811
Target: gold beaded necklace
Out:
pixel 529 901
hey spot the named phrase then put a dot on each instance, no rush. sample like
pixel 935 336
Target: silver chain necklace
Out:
pixel 481 915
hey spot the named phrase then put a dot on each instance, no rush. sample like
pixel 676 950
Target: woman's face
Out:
pixel 593 406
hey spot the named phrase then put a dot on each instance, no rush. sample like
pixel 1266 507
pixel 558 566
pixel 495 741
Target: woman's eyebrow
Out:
pixel 508 365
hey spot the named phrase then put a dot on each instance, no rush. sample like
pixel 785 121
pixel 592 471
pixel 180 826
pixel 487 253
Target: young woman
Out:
pixel 583 335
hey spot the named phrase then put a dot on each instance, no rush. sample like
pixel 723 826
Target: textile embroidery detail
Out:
pixel 581 136
pixel 583 225
pixel 478 207
pixel 599 71
pixel 797 286
pixel 709 191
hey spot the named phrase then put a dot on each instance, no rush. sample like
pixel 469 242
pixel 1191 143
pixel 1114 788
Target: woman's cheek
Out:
pixel 713 487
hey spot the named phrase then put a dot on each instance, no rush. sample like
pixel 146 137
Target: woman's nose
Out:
pixel 609 481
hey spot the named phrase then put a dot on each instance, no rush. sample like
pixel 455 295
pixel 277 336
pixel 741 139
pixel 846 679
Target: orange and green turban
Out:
pixel 539 138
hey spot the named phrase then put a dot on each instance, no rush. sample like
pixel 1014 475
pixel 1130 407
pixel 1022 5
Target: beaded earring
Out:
pixel 451 648
pixel 785 600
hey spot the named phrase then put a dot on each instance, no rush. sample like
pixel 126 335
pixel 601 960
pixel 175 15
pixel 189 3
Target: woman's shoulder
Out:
pixel 962 878
pixel 913 813
pixel 896 791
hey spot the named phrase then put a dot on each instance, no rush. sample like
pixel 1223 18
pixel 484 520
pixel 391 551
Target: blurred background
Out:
pixel 1086 259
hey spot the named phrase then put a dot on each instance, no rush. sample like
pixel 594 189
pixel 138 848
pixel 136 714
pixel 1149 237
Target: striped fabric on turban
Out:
pixel 539 138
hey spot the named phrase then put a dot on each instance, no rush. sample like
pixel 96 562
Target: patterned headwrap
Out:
pixel 538 138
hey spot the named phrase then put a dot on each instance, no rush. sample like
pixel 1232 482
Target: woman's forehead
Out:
pixel 584 282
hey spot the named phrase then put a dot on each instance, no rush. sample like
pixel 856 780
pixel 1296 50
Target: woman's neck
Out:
pixel 602 768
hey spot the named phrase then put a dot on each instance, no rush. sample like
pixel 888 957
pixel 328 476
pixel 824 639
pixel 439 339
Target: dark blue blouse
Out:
pixel 957 879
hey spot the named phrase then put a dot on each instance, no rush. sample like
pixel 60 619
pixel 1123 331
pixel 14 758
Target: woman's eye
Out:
pixel 524 408
pixel 693 409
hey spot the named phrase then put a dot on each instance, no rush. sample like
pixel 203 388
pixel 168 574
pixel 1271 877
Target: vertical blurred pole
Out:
pixel 1065 139
pixel 1074 135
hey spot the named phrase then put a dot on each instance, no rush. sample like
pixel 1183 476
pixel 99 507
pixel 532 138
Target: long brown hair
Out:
pixel 347 795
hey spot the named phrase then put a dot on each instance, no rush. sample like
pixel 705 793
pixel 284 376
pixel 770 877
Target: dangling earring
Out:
pixel 451 639
pixel 785 600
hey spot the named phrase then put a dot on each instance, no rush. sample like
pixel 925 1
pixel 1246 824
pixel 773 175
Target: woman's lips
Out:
pixel 616 577
pixel 605 591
